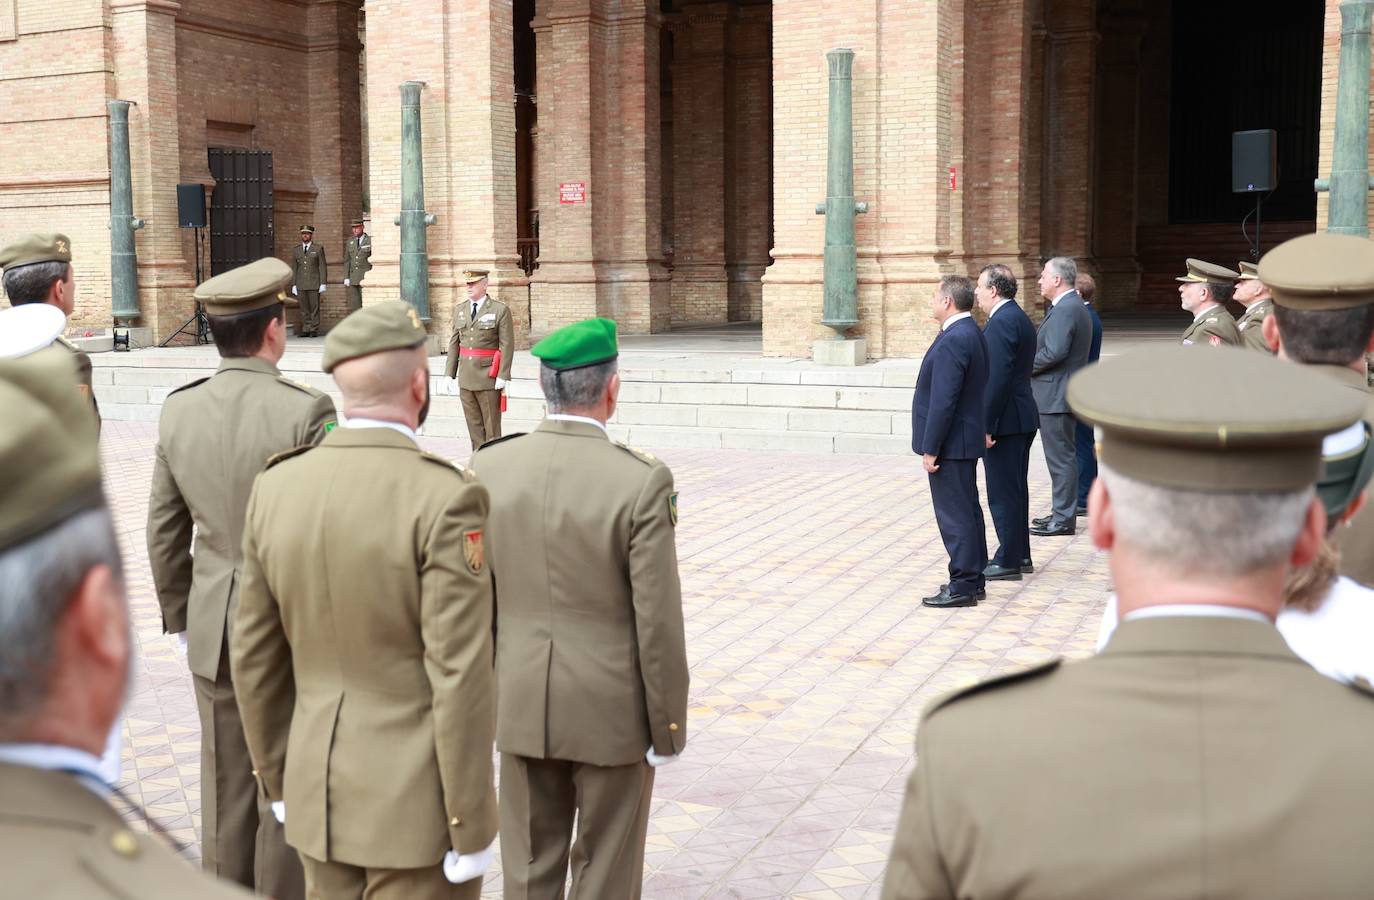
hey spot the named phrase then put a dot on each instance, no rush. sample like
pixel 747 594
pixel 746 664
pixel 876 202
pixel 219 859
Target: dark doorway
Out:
pixel 241 208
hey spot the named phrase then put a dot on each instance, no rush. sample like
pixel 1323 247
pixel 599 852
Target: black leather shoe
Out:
pixel 1001 573
pixel 1041 521
pixel 1026 567
pixel 1083 510
pixel 1046 531
pixel 946 600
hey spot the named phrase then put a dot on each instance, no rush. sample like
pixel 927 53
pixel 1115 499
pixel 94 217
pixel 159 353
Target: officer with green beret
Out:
pixel 66 647
pixel 1196 755
pixel 1323 286
pixel 1203 292
pixel 1254 295
pixel 480 353
pixel 357 263
pixel 38 269
pixel 308 280
pixel 363 639
pixel 215 435
pixel 591 665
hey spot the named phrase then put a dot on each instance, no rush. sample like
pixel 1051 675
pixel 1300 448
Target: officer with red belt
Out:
pixel 479 356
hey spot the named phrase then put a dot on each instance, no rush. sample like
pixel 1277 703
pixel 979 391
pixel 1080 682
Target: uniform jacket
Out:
pixel 1062 345
pixel 358 258
pixel 214 437
pixel 947 415
pixel 1194 757
pixel 1355 541
pixel 591 663
pixel 1216 327
pixel 1251 325
pixel 60 841
pixel 362 651
pixel 1009 407
pixel 491 330
pixel 83 374
pixel 312 270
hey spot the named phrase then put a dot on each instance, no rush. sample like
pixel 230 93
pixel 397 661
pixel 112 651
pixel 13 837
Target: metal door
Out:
pixel 241 208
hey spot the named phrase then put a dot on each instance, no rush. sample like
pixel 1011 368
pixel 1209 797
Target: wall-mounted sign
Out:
pixel 953 178
pixel 571 192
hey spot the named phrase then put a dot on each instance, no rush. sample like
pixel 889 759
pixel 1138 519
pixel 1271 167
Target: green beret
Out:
pixel 580 344
pixel 1320 271
pixel 1347 465
pixel 389 325
pixel 473 275
pixel 1178 419
pixel 257 285
pixel 48 448
pixel 36 248
pixel 1208 273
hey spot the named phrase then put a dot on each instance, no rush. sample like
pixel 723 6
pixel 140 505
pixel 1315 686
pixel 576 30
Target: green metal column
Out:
pixel 1349 183
pixel 123 256
pixel 413 218
pixel 841 309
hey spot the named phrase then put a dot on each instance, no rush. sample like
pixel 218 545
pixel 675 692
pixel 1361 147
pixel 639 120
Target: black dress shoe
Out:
pixel 1001 573
pixel 946 600
pixel 1041 521
pixel 1026 567
pixel 1083 509
pixel 1046 531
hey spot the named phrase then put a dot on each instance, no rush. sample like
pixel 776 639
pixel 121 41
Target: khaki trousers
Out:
pixel 241 841
pixel 355 297
pixel 340 881
pixel 482 409
pixel 310 310
pixel 539 800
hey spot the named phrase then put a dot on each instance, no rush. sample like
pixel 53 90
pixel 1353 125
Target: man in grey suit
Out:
pixel 1061 349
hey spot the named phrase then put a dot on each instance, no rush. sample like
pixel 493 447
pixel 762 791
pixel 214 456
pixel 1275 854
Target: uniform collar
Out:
pixel 573 426
pixel 1208 311
pixel 1193 634
pixel 383 435
pixel 1345 375
pixel 247 364
pixel 563 417
pixel 81 765
pixel 397 427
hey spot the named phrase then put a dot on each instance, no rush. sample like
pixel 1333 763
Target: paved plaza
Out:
pixel 811 658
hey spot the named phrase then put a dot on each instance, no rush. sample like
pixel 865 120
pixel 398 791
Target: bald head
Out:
pixel 392 385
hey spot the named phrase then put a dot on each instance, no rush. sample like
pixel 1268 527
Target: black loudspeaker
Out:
pixel 190 206
pixel 1254 161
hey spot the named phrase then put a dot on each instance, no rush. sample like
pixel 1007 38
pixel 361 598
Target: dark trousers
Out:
pixel 959 514
pixel 1087 460
pixel 1056 433
pixel 1007 467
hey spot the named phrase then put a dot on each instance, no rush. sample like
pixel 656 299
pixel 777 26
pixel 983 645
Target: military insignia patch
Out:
pixel 1214 340
pixel 472 551
pixel 672 507
pixel 330 426
pixel 61 246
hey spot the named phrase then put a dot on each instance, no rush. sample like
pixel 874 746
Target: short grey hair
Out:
pixel 1065 268
pixel 571 389
pixel 30 284
pixel 1189 532
pixel 37 581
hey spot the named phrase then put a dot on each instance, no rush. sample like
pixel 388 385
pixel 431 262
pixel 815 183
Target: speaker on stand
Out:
pixel 1255 170
pixel 191 214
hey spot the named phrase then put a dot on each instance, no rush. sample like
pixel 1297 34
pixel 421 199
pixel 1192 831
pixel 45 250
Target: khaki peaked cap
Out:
pixel 1320 271
pixel 1248 270
pixel 471 276
pixel 389 325
pixel 1207 273
pixel 255 286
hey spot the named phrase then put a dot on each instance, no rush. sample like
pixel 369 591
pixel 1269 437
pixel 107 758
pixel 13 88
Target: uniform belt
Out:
pixel 474 351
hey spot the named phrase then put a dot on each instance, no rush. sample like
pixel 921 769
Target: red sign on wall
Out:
pixel 571 192
pixel 953 178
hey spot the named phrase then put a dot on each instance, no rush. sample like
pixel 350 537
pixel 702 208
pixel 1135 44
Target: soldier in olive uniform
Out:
pixel 1323 287
pixel 308 281
pixel 1196 755
pixel 1204 292
pixel 357 263
pixel 363 640
pixel 66 648
pixel 216 434
pixel 38 269
pixel 479 356
pixel 1254 295
pixel 591 665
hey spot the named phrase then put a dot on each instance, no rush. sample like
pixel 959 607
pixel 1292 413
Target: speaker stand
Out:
pixel 1255 247
pixel 198 318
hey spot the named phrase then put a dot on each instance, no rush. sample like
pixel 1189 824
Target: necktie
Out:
pixel 473 317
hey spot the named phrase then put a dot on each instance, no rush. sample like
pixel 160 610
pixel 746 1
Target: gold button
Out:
pixel 255 773
pixel 455 821
pixel 672 726
pixel 125 844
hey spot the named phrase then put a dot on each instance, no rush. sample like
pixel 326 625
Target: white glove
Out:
pixel 465 867
pixel 293 289
pixel 500 384
pixel 279 811
pixel 346 282
pixel 654 760
pixel 323 288
pixel 180 644
pixel 451 386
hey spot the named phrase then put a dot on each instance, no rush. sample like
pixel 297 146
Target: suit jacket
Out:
pixel 1094 348
pixel 311 268
pixel 1062 346
pixel 1251 326
pixel 493 329
pixel 591 664
pixel 358 258
pixel 947 417
pixel 214 437
pixel 1215 328
pixel 1356 541
pixel 60 841
pixel 1009 407
pixel 362 651
pixel 1194 757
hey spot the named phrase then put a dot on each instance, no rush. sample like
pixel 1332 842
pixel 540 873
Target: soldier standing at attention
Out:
pixel 38 269
pixel 65 648
pixel 215 436
pixel 358 262
pixel 479 356
pixel 1204 292
pixel 591 665
pixel 363 642
pixel 309 280
pixel 1254 295
pixel 1197 755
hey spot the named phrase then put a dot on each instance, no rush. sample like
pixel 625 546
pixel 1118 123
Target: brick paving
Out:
pixel 811 660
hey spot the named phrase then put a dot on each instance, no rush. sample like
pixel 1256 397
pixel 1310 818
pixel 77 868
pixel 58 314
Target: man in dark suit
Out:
pixel 947 432
pixel 1061 348
pixel 1011 420
pixel 1086 286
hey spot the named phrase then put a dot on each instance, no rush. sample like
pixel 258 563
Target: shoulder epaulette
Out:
pixel 1361 684
pixel 300 386
pixel 189 384
pixel 504 437
pixel 447 463
pixel 996 681
pixel 642 455
pixel 288 454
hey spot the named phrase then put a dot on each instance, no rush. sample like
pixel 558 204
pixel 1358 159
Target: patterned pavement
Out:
pixel 811 661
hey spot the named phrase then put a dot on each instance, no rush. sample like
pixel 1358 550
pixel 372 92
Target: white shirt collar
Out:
pixel 57 758
pixel 480 303
pixel 1001 302
pixel 954 318
pixel 306 244
pixel 563 417
pixel 1196 609
pixel 1055 301
pixel 1198 317
pixel 378 423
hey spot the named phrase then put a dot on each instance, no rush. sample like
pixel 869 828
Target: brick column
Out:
pixel 1070 107
pixel 748 192
pixel 1118 129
